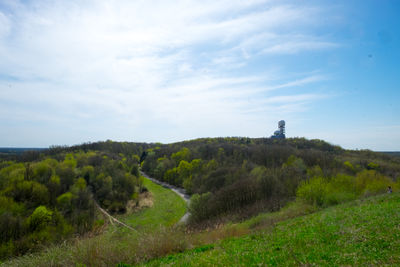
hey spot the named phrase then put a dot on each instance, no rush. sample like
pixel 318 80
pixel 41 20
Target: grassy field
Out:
pixel 360 233
pixel 117 243
pixel 167 209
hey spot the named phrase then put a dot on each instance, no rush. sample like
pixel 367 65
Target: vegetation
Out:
pixel 153 237
pixel 235 178
pixel 358 233
pixel 49 196
pixel 167 209
pixel 51 199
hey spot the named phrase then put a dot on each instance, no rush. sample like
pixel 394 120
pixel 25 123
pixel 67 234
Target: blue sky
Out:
pixel 165 71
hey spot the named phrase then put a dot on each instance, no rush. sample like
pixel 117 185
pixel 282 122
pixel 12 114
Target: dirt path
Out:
pixel 179 191
pixel 111 218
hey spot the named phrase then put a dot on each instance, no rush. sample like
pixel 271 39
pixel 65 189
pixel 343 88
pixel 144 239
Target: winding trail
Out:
pixel 179 191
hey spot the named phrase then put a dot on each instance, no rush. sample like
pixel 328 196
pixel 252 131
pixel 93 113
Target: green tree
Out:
pixel 40 218
pixel 183 154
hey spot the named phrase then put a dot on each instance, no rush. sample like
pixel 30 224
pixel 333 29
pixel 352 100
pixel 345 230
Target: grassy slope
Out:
pixel 360 233
pixel 167 209
pixel 117 244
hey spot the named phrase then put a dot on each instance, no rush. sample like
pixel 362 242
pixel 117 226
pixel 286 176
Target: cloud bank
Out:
pixel 76 71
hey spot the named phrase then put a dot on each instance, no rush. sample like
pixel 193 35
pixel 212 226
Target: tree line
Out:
pixel 241 176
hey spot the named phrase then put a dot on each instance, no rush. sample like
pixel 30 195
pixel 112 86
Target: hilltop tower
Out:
pixel 280 134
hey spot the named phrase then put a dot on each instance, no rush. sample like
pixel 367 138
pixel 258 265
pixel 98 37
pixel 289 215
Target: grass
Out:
pixel 167 209
pixel 359 233
pixel 154 237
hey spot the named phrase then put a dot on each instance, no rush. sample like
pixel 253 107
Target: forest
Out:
pixel 51 195
pixel 48 196
pixel 239 177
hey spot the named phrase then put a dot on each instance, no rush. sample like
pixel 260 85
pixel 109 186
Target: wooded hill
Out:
pixel 47 196
pixel 241 176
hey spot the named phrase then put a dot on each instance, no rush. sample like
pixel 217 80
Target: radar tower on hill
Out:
pixel 280 134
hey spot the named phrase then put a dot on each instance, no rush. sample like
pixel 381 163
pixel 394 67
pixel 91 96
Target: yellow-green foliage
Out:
pixel 70 160
pixel 313 191
pixel 40 218
pixel 64 201
pixel 323 191
pixel 183 154
pixel 370 182
pixel 340 188
pixel 349 166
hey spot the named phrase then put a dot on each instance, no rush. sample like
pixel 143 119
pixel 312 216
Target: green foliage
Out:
pixel 370 182
pixel 12 173
pixel 7 249
pixel 64 201
pixel 198 206
pixel 183 154
pixel 8 204
pixel 166 210
pixel 354 234
pixel 260 172
pixel 349 167
pixel 79 185
pixel 31 194
pixel 40 218
pixel 70 161
pixel 234 177
pixel 373 166
pixel 323 191
pixel 341 188
pixel 313 191
pixel 42 172
pixel 314 171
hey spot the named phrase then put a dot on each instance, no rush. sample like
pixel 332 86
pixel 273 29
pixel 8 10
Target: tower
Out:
pixel 281 126
pixel 280 134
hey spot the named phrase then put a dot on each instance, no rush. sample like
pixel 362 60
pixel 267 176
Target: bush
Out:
pixel 313 191
pixel 198 206
pixel 370 182
pixel 322 191
pixel 40 218
pixel 7 250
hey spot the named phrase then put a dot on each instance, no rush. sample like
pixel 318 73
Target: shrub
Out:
pixel 341 188
pixel 370 182
pixel 313 191
pixel 40 218
pixel 198 206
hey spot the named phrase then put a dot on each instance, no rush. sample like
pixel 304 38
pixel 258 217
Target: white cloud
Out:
pixel 296 46
pixel 142 62
pixel 4 26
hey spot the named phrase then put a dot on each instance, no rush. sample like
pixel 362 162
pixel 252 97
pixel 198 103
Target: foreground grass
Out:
pixel 121 244
pixel 167 209
pixel 360 233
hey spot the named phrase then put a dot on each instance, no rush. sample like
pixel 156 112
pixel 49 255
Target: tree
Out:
pixel 40 218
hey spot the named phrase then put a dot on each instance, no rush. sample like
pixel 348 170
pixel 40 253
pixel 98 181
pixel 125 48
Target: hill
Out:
pixel 51 196
pixel 236 177
pixel 393 153
pixel 18 150
pixel 359 233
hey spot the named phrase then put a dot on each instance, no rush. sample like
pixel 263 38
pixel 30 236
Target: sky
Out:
pixel 164 71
